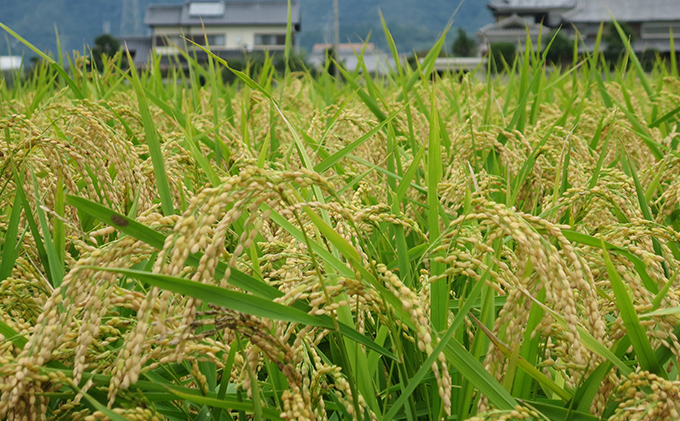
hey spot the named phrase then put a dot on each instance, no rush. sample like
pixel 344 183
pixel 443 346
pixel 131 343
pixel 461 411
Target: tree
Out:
pixel 615 45
pixel 464 46
pixel 104 44
pixel 561 50
pixel 503 53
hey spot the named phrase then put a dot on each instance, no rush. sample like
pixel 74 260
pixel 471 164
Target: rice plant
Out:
pixel 411 246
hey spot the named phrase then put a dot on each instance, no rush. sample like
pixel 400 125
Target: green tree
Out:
pixel 503 52
pixel 561 49
pixel 104 44
pixel 615 46
pixel 464 46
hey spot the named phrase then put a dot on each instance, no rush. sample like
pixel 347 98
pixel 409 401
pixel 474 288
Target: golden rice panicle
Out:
pixel 52 328
pixel 636 403
pixel 212 211
pixel 519 413
pixel 559 272
pixel 411 304
pixel 19 378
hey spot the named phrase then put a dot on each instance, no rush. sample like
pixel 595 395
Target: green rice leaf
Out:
pixel 553 412
pixel 56 66
pixel 586 338
pixel 337 156
pixel 643 349
pixel 56 266
pixel 523 364
pixel 426 367
pixel 10 245
pixel 153 142
pixel 12 335
pixel 640 266
pixel 634 60
pixel 244 303
pixel 228 403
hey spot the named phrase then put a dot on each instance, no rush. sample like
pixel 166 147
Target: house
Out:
pixel 651 20
pixel 513 29
pixel 11 69
pixel 11 63
pixel 228 27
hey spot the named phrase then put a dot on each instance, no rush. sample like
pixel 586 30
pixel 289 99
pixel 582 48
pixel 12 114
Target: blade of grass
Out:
pixel 643 349
pixel 244 303
pixel 56 66
pixel 35 231
pixel 427 65
pixel 600 161
pixel 557 413
pixel 674 60
pixel 586 338
pixel 440 288
pixel 640 266
pixel 644 207
pixel 659 121
pixel 17 339
pixel 634 60
pixel 153 142
pixel 56 267
pixel 269 413
pixel 337 156
pixel 10 247
pixel 426 366
pixel 58 221
pixel 522 363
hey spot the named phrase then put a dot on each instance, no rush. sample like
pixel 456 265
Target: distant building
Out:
pixel 651 20
pixel 11 69
pixel 375 60
pixel 228 27
pixel 10 63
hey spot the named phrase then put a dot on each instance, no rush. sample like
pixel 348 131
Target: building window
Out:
pixel 214 40
pixel 270 39
pixel 168 41
pixel 661 30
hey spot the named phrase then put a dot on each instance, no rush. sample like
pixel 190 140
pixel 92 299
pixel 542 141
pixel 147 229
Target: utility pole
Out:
pixel 130 22
pixel 336 36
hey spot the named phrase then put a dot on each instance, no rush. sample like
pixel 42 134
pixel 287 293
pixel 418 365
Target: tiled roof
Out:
pixel 235 13
pixel 625 10
pixel 531 4
pixel 140 45
pixel 597 10
pixel 512 24
pixel 163 14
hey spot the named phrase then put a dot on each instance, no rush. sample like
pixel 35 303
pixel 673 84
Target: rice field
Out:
pixel 298 247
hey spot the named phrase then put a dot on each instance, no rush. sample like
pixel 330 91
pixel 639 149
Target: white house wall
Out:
pixel 237 37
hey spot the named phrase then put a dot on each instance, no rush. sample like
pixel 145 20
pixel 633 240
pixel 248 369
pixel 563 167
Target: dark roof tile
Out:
pixel 235 13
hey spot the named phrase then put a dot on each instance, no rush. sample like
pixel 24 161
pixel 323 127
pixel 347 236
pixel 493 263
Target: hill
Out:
pixel 414 25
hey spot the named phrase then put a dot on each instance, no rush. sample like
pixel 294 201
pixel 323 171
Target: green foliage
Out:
pixel 615 46
pixel 561 50
pixel 463 45
pixel 648 59
pixel 503 54
pixel 104 45
pixel 253 64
